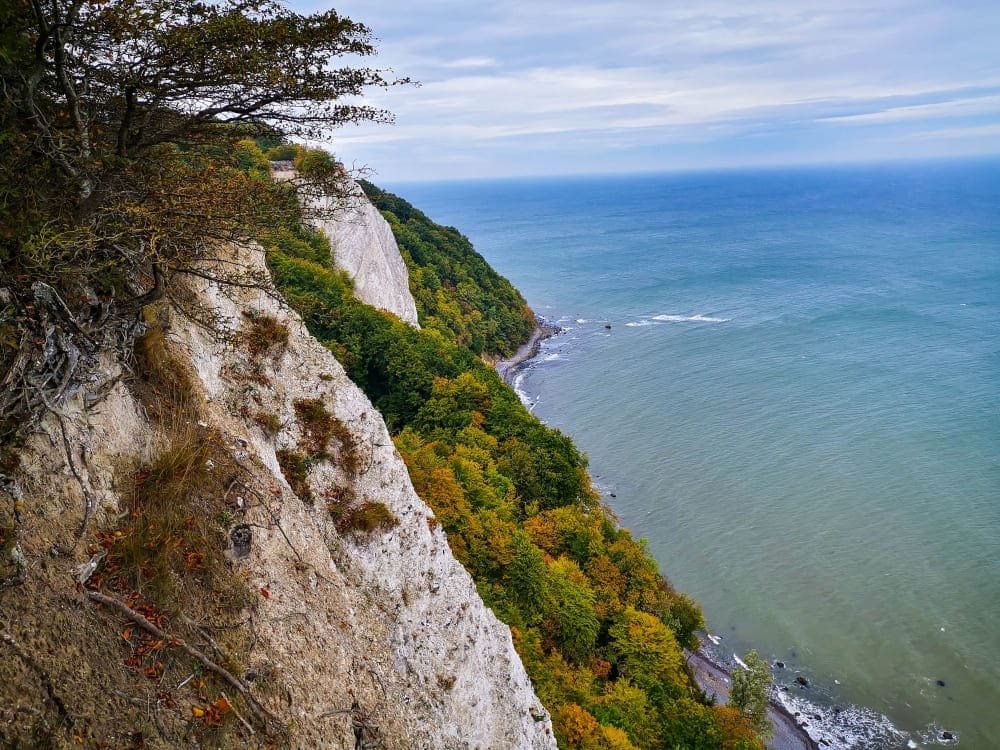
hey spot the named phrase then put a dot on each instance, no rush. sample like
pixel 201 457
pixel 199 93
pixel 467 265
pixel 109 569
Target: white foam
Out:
pixel 689 319
pixel 741 662
pixel 850 728
pixel 639 323
pixel 521 393
pixel 713 638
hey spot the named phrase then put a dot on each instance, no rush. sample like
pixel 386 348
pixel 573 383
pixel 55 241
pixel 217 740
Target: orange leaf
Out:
pixel 265 593
pixel 198 712
pixel 127 633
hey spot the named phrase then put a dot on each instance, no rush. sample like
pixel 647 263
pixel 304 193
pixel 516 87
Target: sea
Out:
pixel 788 382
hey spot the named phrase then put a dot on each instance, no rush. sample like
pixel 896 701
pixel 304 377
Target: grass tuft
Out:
pixel 295 466
pixel 361 521
pixel 264 334
pixel 319 427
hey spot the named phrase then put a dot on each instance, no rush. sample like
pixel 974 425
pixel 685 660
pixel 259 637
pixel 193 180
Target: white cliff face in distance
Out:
pixel 363 245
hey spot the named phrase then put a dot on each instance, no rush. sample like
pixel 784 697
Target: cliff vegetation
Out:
pixel 599 629
pixel 133 135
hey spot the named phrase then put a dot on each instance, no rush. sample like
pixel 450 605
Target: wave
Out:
pixel 848 728
pixel 839 727
pixel 689 319
pixel 654 319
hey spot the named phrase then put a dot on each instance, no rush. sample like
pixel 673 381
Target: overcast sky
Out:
pixel 536 87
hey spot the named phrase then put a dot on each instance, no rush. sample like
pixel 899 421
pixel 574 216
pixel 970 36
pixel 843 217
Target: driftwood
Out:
pixel 266 719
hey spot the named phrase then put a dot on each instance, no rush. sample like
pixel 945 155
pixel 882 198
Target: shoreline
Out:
pixel 508 368
pixel 715 680
pixel 711 677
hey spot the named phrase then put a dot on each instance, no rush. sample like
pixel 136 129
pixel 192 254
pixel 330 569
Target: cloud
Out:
pixel 986 104
pixel 643 74
pixel 990 130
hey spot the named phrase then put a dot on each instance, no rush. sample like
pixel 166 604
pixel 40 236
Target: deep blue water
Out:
pixel 797 403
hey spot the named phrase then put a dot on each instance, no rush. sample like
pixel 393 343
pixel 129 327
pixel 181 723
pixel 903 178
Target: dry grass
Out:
pixel 264 334
pixel 319 427
pixel 268 422
pixel 171 551
pixel 361 521
pixel 163 383
pixel 295 466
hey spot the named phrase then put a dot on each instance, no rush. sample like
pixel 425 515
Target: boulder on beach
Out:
pixel 800 680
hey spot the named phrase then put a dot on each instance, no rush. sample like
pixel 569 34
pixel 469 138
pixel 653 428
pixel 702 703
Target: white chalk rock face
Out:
pixel 363 245
pixel 393 620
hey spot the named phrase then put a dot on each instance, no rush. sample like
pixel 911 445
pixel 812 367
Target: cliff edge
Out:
pixel 350 630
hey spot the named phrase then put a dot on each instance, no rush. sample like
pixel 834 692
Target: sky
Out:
pixel 536 87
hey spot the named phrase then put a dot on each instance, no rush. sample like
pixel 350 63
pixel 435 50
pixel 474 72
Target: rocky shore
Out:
pixel 715 681
pixel 507 368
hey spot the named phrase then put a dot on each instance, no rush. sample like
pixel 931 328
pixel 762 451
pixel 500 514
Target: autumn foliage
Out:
pixel 597 626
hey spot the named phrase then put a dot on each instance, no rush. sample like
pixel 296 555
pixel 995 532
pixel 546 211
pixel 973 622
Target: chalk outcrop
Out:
pixel 363 245
pixel 387 627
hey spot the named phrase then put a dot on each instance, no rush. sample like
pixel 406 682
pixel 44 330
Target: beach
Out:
pixel 715 681
pixel 507 368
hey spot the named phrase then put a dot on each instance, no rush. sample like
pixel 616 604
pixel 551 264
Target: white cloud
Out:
pixel 643 72
pixel 973 131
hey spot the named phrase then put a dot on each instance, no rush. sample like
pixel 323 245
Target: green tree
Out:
pixel 124 113
pixel 647 652
pixel 749 692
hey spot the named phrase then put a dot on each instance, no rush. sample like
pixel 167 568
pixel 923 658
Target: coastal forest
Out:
pixel 135 137
pixel 600 630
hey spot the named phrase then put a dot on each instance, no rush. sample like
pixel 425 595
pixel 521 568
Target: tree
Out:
pixel 646 652
pixel 749 692
pixel 123 114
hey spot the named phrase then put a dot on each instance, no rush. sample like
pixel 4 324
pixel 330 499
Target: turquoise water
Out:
pixel 797 403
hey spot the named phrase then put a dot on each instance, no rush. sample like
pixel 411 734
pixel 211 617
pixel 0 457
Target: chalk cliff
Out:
pixel 363 245
pixel 349 639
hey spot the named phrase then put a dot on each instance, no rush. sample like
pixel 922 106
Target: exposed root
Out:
pixel 88 497
pixel 266 719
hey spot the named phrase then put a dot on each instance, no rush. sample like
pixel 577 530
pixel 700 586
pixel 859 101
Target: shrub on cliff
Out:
pixel 122 115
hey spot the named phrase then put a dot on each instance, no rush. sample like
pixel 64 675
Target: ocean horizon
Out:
pixel 786 381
